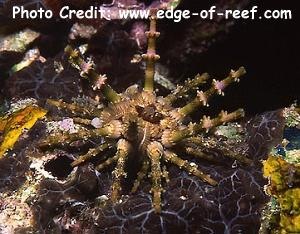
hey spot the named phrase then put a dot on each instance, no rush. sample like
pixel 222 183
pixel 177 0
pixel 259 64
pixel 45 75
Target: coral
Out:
pixel 14 125
pixel 281 215
pixel 292 115
pixel 283 175
pixel 285 186
pixel 138 124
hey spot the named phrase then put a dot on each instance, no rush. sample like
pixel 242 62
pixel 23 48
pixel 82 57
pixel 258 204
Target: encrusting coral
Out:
pixel 284 185
pixel 145 132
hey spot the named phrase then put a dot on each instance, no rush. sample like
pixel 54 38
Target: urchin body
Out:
pixel 140 123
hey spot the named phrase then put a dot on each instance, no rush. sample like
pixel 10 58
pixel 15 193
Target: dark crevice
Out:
pixel 59 167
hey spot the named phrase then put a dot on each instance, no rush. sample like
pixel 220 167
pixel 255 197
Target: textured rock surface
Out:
pixel 189 205
pixel 52 79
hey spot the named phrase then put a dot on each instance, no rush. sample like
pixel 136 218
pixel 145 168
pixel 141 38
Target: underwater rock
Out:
pixel 54 78
pixel 81 31
pixel 15 164
pixel 21 172
pixel 282 168
pixel 12 171
pixel 14 46
pixel 18 42
pixel 265 131
pixel 14 214
pixel 55 198
pixel 189 204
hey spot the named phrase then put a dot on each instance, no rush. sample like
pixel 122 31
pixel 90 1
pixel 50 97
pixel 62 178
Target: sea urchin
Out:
pixel 143 129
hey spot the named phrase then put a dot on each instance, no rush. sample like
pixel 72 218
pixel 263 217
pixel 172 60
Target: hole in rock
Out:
pixel 59 167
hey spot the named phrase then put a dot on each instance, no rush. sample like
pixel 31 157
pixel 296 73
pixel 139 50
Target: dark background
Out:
pixel 268 49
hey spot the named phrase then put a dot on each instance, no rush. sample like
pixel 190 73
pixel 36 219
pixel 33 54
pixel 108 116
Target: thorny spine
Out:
pixel 151 57
pixel 188 86
pixel 217 88
pixel 87 70
pixel 123 149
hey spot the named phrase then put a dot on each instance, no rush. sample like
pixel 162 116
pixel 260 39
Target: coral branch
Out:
pixel 237 156
pixel 66 139
pixel 224 117
pixel 86 70
pixel 150 57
